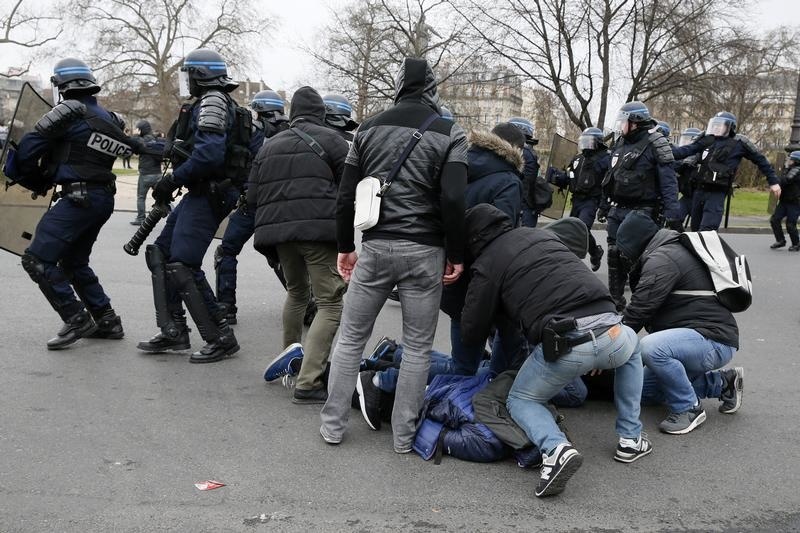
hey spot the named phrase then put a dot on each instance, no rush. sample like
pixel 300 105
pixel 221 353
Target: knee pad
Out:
pixel 218 255
pixel 154 257
pixel 34 267
pixel 180 274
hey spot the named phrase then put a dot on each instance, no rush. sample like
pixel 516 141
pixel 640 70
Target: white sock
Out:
pixel 375 380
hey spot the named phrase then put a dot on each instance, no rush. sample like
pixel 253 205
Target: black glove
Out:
pixel 675 224
pixel 163 189
pixel 707 140
pixel 602 216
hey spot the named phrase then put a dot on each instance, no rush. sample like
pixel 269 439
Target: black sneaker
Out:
pixel 216 350
pixel 369 399
pixel 109 326
pixel 794 248
pixel 79 325
pixel 779 244
pixel 596 258
pixel 557 468
pixel 161 343
pixel 682 423
pixel 310 396
pixel 731 396
pixel 629 450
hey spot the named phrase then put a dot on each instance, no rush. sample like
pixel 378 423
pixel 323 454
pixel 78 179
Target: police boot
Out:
pixel 616 278
pixel 228 311
pixel 109 325
pixel 596 257
pixel 219 348
pixel 174 337
pixel 75 327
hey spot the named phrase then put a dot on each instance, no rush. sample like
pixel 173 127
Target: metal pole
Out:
pixel 794 138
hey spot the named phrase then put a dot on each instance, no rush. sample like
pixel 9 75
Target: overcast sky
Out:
pixel 284 66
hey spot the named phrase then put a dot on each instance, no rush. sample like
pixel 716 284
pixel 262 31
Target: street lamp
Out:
pixel 794 138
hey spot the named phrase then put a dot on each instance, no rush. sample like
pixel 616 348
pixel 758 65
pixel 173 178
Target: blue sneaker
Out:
pixel 287 363
pixel 383 351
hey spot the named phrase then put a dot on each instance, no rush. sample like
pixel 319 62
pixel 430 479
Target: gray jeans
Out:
pixel 146 182
pixel 416 270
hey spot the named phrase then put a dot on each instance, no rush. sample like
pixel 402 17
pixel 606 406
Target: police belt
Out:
pixel 81 187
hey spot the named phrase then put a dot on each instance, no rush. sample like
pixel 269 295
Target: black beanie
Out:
pixel 510 133
pixel 635 233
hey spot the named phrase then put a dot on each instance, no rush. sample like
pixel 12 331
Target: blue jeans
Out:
pixel 707 209
pixel 538 381
pixel 146 182
pixel 680 361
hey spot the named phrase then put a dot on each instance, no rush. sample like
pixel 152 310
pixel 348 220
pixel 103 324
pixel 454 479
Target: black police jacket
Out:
pixel 586 172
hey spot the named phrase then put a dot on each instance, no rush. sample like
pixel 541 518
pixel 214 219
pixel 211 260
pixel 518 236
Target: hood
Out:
pixel 573 233
pixel 662 237
pixel 144 127
pixel 308 105
pixel 489 153
pixel 341 122
pixel 484 223
pixel 634 234
pixel 416 82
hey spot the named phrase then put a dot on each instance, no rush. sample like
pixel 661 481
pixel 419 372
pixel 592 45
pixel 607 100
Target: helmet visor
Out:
pixel 620 122
pixel 183 84
pixel 719 127
pixel 686 139
pixel 587 142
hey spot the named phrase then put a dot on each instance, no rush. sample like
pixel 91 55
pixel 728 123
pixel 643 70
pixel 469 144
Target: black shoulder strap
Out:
pixel 415 137
pixel 309 140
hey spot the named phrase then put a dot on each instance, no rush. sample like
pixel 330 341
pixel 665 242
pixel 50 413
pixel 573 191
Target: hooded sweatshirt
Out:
pixel 425 203
pixel 292 189
pixel 527 274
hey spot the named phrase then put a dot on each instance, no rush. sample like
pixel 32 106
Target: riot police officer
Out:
pixel 789 205
pixel 720 152
pixel 209 146
pixel 338 113
pixel 531 207
pixel 78 140
pixel 685 170
pixel 586 173
pixel 641 177
pixel 270 120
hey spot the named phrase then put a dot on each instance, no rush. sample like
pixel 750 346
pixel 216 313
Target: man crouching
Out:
pixel 568 315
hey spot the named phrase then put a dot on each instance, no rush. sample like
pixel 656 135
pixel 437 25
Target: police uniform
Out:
pixel 788 207
pixel 586 173
pixel 209 146
pixel 641 177
pixel 79 141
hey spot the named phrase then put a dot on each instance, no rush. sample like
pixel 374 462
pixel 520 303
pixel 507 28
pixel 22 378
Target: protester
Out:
pixel 149 169
pixel 570 320
pixel 789 205
pixel 416 244
pixel 293 188
pixel 691 332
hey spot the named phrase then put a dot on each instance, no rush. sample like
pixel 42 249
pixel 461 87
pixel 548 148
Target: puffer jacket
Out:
pixel 494 174
pixel 292 189
pixel 508 274
pixel 667 266
pixel 411 209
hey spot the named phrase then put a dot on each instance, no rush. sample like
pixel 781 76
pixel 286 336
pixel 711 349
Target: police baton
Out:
pixel 158 212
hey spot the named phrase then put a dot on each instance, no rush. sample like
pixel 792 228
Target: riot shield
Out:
pixel 562 150
pixel 21 210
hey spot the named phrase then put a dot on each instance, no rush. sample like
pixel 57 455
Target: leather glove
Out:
pixel 602 216
pixel 675 224
pixel 163 189
pixel 707 140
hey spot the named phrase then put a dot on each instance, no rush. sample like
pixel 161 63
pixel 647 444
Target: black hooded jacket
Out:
pixel 292 188
pixel 150 158
pixel 425 203
pixel 527 274
pixel 667 266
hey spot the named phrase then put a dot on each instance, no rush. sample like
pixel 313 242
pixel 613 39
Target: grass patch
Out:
pixel 749 202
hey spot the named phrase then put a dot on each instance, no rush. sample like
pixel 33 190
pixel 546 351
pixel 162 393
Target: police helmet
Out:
pixel 664 128
pixel 338 112
pixel 204 68
pixel 265 101
pixel 74 76
pixel 794 157
pixel 527 128
pixel 688 136
pixel 590 139
pixel 446 113
pixel 723 124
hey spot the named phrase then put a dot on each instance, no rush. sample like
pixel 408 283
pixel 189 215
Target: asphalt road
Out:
pixel 103 438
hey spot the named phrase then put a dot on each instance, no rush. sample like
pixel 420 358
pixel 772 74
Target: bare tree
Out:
pixel 368 40
pixel 582 50
pixel 28 24
pixel 139 45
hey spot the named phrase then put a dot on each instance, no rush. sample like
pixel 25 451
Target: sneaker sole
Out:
pixel 181 348
pixel 329 440
pixel 363 405
pixel 275 360
pixel 558 483
pixel 631 457
pixel 739 386
pixel 691 427
pixel 297 401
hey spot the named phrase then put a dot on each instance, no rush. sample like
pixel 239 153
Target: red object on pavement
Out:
pixel 209 485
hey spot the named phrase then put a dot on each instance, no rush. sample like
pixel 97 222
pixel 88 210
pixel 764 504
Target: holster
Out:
pixel 554 343
pixel 215 191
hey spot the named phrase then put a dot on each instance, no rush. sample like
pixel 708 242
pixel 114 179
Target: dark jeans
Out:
pixel 63 242
pixel 146 182
pixel 240 229
pixel 789 211
pixel 707 209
